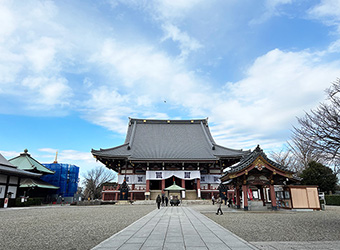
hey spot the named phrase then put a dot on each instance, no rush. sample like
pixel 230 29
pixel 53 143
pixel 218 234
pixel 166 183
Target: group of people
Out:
pixel 164 200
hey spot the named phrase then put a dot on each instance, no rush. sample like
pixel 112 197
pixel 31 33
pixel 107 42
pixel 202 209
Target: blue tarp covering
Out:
pixel 66 177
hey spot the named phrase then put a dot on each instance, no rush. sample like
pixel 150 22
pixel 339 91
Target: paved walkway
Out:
pixel 174 228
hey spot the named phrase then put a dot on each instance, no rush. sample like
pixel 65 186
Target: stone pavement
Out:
pixel 174 228
pixel 298 245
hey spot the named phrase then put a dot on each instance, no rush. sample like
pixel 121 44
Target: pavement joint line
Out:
pixel 195 228
pixel 160 217
pixel 125 229
pixel 237 237
pixel 193 213
pixel 187 219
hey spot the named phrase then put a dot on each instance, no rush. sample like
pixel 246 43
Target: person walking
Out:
pixel 158 201
pixel 213 200
pixel 166 200
pixel 219 203
pixel 163 200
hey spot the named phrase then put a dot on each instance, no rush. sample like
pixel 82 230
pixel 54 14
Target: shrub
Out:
pixel 332 200
pixel 29 202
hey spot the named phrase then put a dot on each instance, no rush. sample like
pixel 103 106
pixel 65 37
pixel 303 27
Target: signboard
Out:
pixel 6 203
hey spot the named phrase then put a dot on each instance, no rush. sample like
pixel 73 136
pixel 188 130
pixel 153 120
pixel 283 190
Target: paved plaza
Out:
pixel 174 228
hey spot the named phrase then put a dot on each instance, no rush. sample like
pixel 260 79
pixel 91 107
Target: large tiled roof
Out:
pixel 169 139
pixel 25 162
pixel 248 159
pixel 8 168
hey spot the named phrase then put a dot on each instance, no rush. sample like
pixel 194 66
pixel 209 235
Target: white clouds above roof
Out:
pixel 56 59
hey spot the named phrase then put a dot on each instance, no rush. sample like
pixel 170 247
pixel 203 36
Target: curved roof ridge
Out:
pixel 231 149
pixel 108 149
pixel 166 120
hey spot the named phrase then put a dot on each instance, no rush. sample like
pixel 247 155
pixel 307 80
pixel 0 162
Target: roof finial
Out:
pixel 26 151
pixel 56 156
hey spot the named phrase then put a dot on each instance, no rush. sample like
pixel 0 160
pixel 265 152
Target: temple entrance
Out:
pixel 155 184
pixel 170 181
pixel 190 184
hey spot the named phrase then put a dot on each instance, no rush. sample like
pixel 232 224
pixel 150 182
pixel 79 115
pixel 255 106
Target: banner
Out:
pixel 132 179
pixel 165 174
pixel 210 179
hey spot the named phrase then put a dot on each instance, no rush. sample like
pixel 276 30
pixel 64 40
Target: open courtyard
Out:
pixel 75 227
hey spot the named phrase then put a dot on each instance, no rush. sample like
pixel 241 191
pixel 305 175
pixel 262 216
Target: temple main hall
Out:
pixel 159 153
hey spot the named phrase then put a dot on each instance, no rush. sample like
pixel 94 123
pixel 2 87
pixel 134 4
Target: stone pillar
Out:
pixel 183 183
pixel 198 188
pixel 273 197
pixel 245 197
pixel 238 200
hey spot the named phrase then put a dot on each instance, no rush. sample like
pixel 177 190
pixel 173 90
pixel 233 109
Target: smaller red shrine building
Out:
pixel 256 171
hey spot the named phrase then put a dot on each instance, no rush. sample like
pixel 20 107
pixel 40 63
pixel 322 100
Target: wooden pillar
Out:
pixel 273 197
pixel 245 197
pixel 163 185
pixel 183 183
pixel 198 188
pixel 209 186
pixel 116 196
pixel 103 196
pixel 147 186
pixel 132 188
pixel 238 200
pixel 262 196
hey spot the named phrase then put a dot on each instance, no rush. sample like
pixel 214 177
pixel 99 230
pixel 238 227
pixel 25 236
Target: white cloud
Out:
pixel 187 43
pixel 328 11
pixel 9 154
pixel 50 92
pixel 30 69
pixel 271 8
pixel 278 87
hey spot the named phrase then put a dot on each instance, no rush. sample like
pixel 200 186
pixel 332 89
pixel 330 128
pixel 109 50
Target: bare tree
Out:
pixel 303 153
pixel 319 130
pixel 94 180
pixel 286 158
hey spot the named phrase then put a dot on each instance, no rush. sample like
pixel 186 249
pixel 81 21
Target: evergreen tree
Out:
pixel 318 174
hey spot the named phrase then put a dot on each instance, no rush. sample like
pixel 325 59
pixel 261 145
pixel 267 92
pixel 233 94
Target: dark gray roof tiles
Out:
pixel 249 158
pixel 169 139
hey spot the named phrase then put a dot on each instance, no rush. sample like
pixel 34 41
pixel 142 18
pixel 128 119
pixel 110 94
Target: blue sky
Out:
pixel 72 72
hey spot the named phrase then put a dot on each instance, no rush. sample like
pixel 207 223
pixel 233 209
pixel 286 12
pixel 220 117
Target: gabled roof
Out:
pixel 25 162
pixel 248 159
pixel 9 169
pixel 169 139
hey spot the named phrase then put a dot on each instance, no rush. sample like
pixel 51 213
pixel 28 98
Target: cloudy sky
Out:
pixel 72 72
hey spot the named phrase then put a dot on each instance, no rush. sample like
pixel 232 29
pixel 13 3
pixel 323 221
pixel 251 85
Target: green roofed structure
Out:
pixel 10 177
pixel 33 187
pixel 25 162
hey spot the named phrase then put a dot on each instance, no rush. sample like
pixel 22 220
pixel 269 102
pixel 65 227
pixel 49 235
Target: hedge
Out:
pixel 29 202
pixel 332 200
